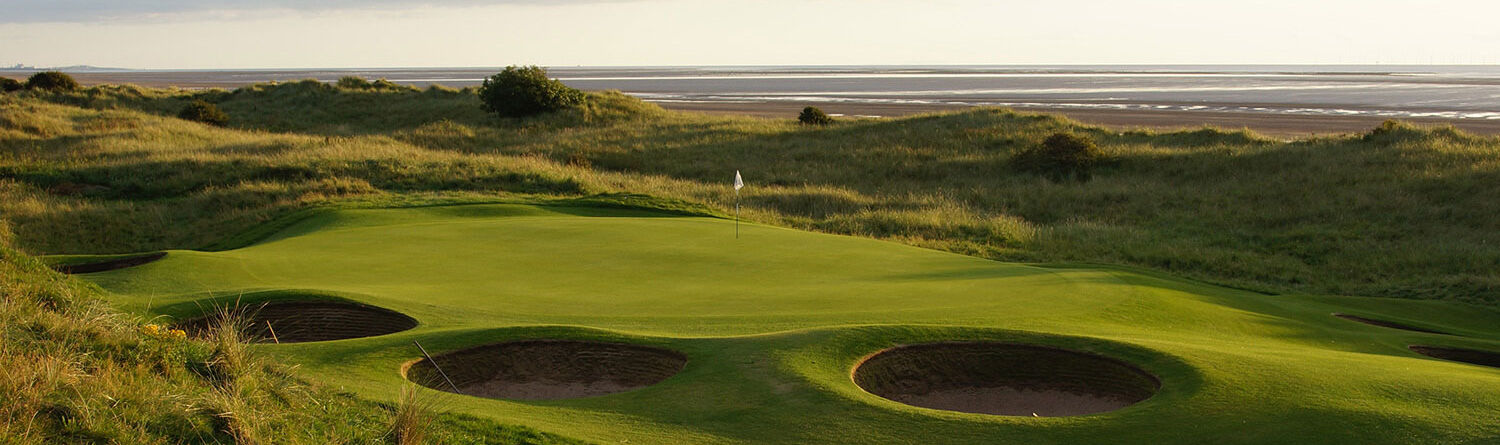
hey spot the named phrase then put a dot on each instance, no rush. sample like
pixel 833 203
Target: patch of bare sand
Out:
pixel 549 369
pixel 1004 379
pixel 1014 402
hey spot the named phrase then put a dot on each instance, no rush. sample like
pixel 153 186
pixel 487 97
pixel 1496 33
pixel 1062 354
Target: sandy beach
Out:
pixel 1276 125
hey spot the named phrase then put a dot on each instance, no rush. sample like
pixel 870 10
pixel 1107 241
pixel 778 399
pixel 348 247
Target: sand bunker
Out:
pixel 1470 356
pixel 549 369
pixel 103 266
pixel 306 321
pixel 1387 324
pixel 1004 379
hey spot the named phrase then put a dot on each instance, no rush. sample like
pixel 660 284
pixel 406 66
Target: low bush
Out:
pixel 1061 156
pixel 202 111
pixel 51 80
pixel 8 84
pixel 814 116
pixel 526 91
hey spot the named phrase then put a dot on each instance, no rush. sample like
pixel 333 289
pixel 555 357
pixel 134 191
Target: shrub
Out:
pixel 1061 156
pixel 51 80
pixel 526 91
pixel 201 111
pixel 8 84
pixel 814 116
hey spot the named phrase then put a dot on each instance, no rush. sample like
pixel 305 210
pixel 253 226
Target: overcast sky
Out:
pixel 452 33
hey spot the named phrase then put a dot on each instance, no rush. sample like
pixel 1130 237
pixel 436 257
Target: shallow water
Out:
pixel 1448 92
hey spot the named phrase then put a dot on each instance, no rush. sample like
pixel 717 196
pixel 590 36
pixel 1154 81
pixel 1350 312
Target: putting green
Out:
pixel 772 323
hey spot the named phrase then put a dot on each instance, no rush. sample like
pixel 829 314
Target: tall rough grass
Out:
pixel 1401 211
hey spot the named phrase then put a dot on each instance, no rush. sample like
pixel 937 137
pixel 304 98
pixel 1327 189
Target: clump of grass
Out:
pixel 353 83
pixel 413 417
pixel 8 85
pixel 1061 156
pixel 359 83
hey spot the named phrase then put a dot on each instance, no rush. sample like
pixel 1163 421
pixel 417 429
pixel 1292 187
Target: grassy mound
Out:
pixel 79 372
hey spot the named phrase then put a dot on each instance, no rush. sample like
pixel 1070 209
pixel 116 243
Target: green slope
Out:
pixel 773 321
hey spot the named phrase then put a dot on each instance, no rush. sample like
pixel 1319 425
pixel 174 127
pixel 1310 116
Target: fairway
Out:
pixel 773 323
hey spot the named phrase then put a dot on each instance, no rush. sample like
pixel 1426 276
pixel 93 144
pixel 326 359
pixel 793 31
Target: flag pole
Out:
pixel 738 183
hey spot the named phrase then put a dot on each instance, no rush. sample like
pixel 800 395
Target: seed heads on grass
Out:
pixel 414 413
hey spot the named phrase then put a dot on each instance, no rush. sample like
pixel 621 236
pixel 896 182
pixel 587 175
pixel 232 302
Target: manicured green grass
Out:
pixel 79 371
pixel 774 321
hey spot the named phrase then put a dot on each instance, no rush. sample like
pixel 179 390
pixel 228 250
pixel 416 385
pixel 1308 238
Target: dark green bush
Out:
pixel 1061 156
pixel 201 111
pixel 526 91
pixel 8 84
pixel 814 116
pixel 51 80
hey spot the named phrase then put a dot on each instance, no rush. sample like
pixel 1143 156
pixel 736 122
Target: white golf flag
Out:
pixel 738 182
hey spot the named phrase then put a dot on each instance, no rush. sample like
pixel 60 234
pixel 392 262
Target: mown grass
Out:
pixel 773 322
pixel 1401 212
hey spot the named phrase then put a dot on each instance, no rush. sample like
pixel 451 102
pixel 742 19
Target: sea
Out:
pixel 1415 91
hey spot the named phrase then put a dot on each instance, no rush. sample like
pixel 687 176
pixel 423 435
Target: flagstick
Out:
pixel 435 366
pixel 736 214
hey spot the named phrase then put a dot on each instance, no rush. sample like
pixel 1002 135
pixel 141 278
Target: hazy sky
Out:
pixel 450 33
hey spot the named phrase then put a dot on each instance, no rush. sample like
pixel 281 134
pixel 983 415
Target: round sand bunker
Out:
pixel 1387 324
pixel 308 321
pixel 1470 356
pixel 549 369
pixel 1004 379
pixel 108 265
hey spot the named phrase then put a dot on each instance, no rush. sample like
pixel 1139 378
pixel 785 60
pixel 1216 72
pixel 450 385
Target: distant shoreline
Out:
pixel 1271 124
pixel 1277 125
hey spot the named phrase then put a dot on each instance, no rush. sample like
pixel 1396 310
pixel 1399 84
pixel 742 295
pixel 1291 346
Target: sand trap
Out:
pixel 1004 379
pixel 549 369
pixel 1387 324
pixel 1470 356
pixel 306 321
pixel 104 266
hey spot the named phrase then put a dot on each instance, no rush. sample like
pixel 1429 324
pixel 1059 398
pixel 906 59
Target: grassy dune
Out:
pixel 304 168
pixel 1400 212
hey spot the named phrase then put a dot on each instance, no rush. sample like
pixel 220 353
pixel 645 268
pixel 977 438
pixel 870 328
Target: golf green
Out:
pixel 773 323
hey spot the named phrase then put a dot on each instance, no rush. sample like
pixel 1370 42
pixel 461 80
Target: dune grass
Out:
pixel 1399 212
